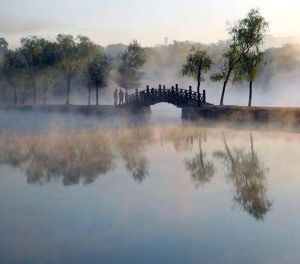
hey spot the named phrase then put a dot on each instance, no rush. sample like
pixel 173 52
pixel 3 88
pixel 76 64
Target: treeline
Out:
pixel 41 69
pixel 164 62
pixel 29 72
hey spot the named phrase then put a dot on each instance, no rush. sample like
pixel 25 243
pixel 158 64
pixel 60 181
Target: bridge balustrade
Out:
pixel 174 95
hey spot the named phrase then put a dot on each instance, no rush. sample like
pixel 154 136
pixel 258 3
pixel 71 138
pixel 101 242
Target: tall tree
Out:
pixel 12 72
pixel 33 56
pixel 3 47
pixel 230 58
pixel 73 54
pixel 46 80
pixel 48 73
pixel 129 69
pixel 197 63
pixel 248 70
pixel 98 71
pixel 246 35
pixel 68 59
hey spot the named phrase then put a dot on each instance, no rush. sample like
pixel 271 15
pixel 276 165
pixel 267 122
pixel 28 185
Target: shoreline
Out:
pixel 289 116
pixel 77 109
pixel 239 114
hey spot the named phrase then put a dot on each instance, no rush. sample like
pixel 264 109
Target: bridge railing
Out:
pixel 173 95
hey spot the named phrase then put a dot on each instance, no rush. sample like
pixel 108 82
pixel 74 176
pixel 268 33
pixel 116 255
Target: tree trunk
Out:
pixel 45 96
pixel 89 99
pixel 15 96
pixel 97 95
pixel 224 86
pixel 126 96
pixel 228 149
pixel 251 143
pixel 250 94
pixel 32 75
pixel 34 93
pixel 201 156
pixel 68 91
pixel 24 94
pixel 199 79
pixel 223 91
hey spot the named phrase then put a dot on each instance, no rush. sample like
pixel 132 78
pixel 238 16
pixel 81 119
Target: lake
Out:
pixel 75 189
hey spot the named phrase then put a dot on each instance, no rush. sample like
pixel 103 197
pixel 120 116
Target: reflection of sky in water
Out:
pixel 143 197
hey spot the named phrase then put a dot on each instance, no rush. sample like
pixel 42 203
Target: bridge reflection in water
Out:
pixel 174 95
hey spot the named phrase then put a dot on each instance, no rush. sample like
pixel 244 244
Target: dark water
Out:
pixel 149 193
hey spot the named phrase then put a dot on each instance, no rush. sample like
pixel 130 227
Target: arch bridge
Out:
pixel 174 95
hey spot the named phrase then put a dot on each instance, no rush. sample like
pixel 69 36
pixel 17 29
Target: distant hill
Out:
pixel 270 42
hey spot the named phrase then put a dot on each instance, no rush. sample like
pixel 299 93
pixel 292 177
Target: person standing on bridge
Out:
pixel 116 97
pixel 121 97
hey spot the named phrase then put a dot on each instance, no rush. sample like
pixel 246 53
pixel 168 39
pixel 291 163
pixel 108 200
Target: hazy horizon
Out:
pixel 148 21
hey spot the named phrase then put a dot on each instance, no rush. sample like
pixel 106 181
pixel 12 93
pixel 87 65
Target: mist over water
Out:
pixel 165 114
pixel 77 188
pixel 40 121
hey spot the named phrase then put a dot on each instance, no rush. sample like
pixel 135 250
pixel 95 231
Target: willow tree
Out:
pixel 98 71
pixel 197 63
pixel 248 70
pixel 247 35
pixel 129 70
pixel 230 59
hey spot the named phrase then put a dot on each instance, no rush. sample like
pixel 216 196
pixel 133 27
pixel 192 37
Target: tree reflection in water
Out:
pixel 200 168
pixel 72 157
pixel 76 157
pixel 131 144
pixel 248 175
pixel 181 137
pixel 84 156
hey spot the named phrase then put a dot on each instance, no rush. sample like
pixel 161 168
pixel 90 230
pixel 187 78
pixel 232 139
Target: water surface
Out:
pixel 95 192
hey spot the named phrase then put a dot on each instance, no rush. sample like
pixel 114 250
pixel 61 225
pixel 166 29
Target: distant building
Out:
pixel 166 41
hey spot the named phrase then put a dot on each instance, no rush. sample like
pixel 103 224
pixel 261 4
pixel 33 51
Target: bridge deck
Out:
pixel 176 96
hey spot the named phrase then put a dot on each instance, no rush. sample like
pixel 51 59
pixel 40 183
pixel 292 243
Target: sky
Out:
pixel 148 21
